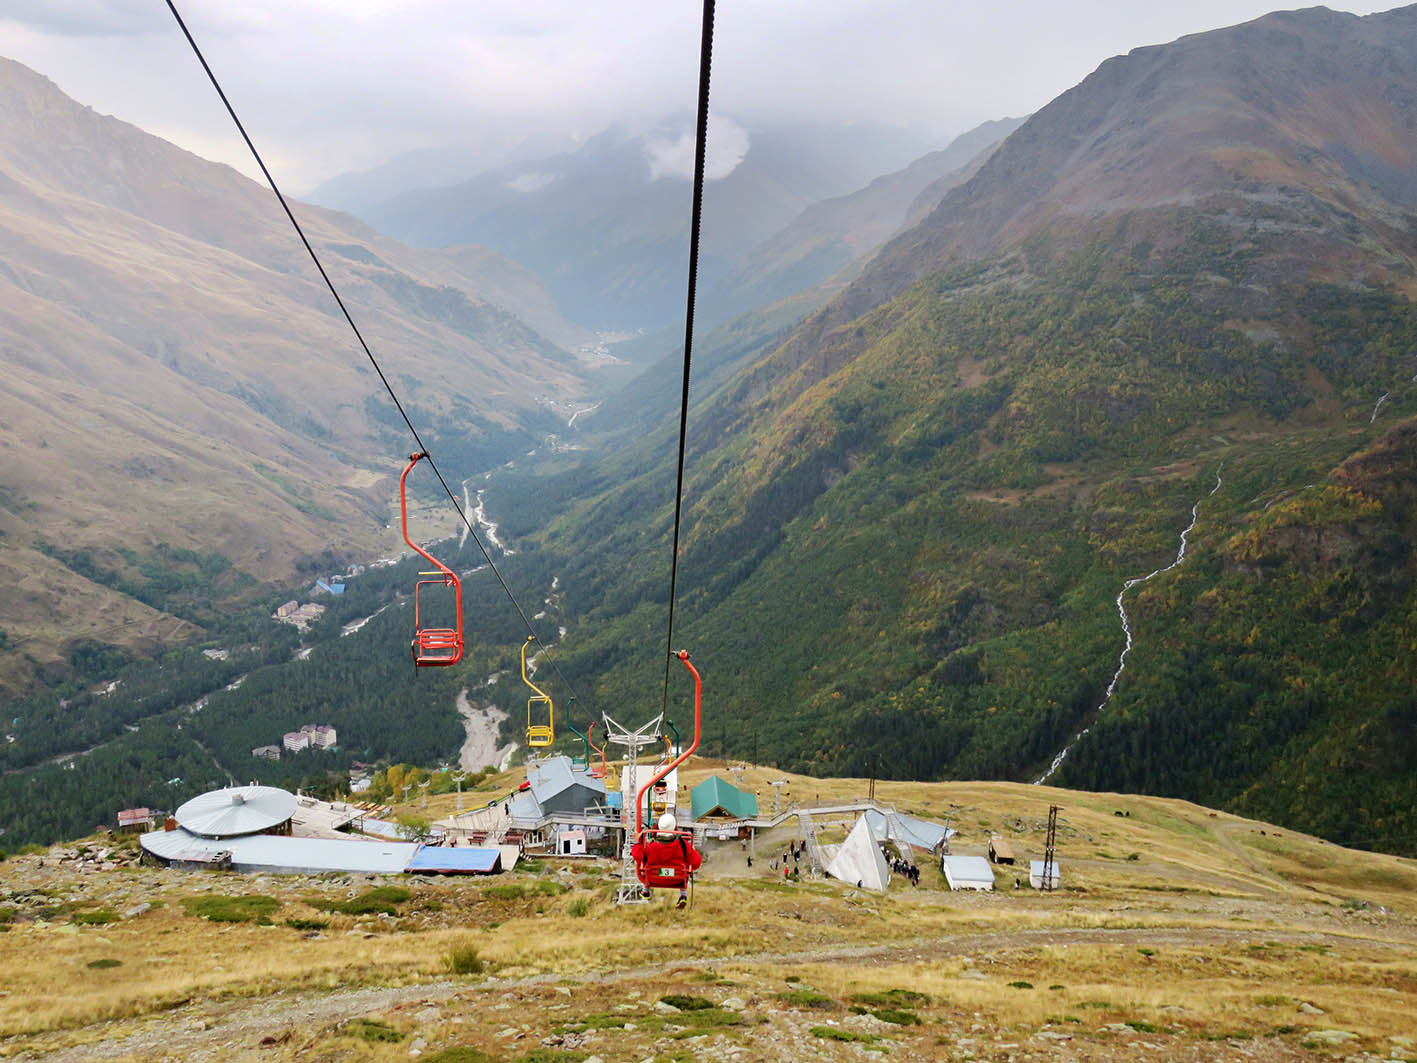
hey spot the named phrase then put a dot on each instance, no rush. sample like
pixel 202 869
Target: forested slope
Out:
pixel 907 525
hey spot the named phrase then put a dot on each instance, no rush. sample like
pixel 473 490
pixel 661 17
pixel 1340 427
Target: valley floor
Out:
pixel 1221 940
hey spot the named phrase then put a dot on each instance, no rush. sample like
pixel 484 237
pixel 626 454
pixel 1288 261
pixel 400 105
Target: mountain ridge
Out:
pixel 933 491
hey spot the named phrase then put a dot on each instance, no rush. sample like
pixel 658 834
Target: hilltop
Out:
pixel 1181 932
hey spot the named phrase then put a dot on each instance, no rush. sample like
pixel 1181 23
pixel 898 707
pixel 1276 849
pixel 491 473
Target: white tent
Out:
pixel 858 862
pixel 1036 875
pixel 967 872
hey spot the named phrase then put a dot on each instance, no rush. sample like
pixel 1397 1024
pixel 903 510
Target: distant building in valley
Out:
pixel 288 609
pixel 266 752
pixel 295 741
pixel 134 820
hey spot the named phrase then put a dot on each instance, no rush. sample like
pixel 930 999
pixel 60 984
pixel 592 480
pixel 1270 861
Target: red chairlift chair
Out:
pixel 432 647
pixel 668 867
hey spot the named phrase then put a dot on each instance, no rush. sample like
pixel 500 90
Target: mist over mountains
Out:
pixel 606 226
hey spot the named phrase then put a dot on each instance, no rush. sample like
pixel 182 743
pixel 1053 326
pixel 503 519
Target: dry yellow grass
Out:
pixel 1216 930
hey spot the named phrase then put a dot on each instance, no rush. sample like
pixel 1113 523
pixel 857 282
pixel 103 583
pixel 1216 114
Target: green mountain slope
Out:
pixel 908 524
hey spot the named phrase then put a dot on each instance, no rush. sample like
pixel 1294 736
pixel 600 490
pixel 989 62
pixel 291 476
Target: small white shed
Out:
pixel 570 842
pixel 967 872
pixel 1035 875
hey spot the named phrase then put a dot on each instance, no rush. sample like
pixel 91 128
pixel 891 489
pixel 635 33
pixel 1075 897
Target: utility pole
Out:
pixel 1049 850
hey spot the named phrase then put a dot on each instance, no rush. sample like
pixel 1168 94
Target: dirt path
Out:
pixel 231 1029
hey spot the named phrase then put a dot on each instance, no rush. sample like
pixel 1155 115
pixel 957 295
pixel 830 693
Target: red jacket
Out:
pixel 663 860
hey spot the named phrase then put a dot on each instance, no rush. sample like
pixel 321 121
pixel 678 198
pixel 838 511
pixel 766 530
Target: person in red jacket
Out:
pixel 668 858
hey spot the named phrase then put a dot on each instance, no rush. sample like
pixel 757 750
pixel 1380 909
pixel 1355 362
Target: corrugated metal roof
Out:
pixel 433 858
pixel 719 796
pixel 273 852
pixel 525 806
pixel 555 775
pixel 920 833
pixel 236 810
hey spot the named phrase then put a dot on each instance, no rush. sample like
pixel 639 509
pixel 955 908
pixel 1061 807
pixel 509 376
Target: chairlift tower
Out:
pixel 458 777
pixel 629 891
pixel 777 795
pixel 424 787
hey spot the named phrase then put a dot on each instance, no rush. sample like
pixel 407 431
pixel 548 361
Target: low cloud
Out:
pixel 727 146
pixel 530 182
pixel 89 18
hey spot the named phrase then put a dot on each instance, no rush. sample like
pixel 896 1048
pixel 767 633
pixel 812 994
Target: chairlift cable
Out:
pixel 700 147
pixel 315 258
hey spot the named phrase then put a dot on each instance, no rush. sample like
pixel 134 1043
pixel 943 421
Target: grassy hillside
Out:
pixel 177 377
pixel 1179 932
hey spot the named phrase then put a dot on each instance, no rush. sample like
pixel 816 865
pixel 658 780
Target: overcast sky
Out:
pixel 327 86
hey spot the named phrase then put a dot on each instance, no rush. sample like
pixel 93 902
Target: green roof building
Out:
pixel 715 797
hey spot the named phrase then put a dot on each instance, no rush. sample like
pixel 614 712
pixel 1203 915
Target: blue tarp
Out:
pixel 456 860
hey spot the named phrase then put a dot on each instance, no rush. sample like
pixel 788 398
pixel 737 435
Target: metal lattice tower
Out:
pixel 1050 847
pixel 629 891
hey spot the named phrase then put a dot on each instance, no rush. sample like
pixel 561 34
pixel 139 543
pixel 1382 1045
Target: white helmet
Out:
pixel 667 823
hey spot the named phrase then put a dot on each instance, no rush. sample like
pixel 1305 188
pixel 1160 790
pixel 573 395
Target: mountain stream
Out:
pixel 1057 761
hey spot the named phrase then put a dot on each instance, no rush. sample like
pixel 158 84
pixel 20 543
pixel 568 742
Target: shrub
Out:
pixel 807 998
pixel 893 996
pixel 551 888
pixel 465 960
pixel 687 1003
pixel 1021 985
pixel 578 907
pixel 372 1030
pixel 379 899
pixel 460 1054
pixel 510 891
pixel 101 917
pixel 832 1033
pixel 308 924
pixel 218 909
pixel 899 1016
pixel 104 964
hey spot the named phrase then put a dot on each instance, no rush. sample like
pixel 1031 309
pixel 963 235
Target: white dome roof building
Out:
pixel 238 810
